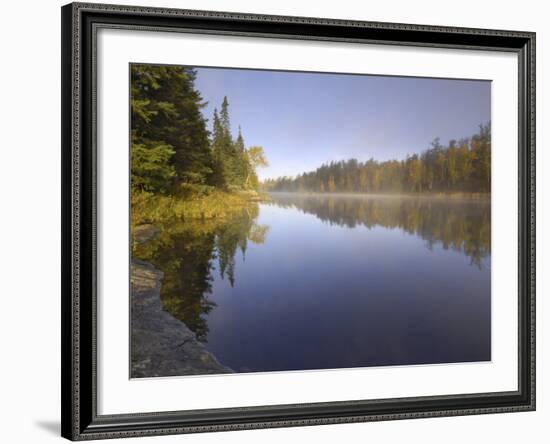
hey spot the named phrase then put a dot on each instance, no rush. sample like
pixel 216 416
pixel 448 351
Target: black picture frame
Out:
pixel 79 385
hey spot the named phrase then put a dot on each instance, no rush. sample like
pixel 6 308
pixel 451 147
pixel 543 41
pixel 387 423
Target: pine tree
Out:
pixel 172 150
pixel 151 156
pixel 218 152
pixel 169 136
pixel 241 162
pixel 224 144
pixel 231 164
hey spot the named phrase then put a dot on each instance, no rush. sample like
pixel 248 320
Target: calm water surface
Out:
pixel 316 282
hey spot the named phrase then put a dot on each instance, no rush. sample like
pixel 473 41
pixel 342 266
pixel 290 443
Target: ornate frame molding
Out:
pixel 79 395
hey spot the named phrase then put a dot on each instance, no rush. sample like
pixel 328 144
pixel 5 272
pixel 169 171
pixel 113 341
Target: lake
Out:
pixel 333 281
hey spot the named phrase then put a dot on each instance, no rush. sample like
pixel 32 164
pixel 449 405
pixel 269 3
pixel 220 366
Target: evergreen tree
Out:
pixel 241 163
pixel 224 119
pixel 224 147
pixel 170 144
pixel 151 169
pixel 218 152
pixel 234 165
pixel 169 136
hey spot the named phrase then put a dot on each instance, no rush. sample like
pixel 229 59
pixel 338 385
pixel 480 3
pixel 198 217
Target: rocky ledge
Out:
pixel 161 344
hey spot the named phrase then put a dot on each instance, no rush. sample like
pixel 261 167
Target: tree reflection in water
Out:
pixel 462 225
pixel 188 253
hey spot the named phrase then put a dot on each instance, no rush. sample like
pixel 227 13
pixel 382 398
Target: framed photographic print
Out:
pixel 279 221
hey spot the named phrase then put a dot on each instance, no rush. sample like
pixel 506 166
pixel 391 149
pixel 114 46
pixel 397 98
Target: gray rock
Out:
pixel 161 345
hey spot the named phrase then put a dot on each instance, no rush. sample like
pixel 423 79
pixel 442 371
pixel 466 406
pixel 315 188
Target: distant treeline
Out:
pixel 171 147
pixel 461 166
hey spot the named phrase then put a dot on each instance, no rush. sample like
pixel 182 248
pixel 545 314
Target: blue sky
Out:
pixel 305 119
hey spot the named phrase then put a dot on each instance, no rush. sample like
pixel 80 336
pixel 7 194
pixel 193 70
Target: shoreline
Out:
pixel 155 209
pixel 427 195
pixel 162 345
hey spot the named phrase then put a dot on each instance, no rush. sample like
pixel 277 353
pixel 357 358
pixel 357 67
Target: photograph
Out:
pixel 295 220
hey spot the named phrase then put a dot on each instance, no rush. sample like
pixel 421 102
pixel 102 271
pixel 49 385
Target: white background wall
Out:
pixel 30 220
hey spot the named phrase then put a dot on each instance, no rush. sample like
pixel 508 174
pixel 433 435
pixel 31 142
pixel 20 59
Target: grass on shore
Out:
pixel 193 204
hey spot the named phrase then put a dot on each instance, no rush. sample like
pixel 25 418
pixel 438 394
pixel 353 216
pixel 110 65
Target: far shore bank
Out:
pixel 429 195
